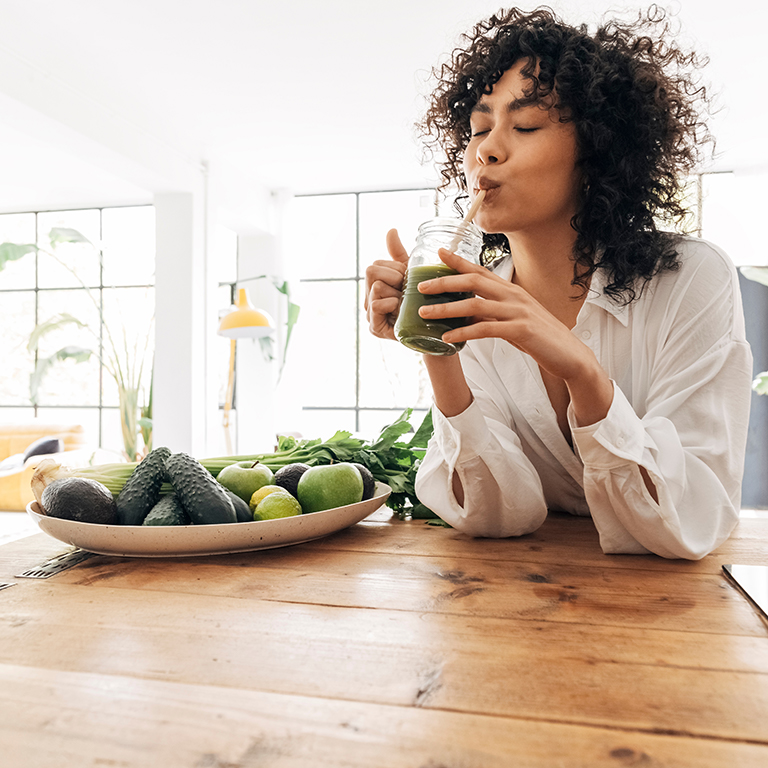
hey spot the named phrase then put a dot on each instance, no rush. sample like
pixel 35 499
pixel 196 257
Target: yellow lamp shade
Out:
pixel 245 322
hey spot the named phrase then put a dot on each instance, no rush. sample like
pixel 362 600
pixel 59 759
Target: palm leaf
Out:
pixel 78 354
pixel 52 324
pixel 14 252
pixel 66 235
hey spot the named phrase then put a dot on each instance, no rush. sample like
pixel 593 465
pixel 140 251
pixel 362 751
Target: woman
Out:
pixel 606 371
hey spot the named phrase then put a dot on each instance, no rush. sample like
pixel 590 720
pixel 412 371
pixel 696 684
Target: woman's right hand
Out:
pixel 383 288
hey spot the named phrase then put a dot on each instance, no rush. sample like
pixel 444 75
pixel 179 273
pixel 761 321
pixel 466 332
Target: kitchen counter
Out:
pixel 390 643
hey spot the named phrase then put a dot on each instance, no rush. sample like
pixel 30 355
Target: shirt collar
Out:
pixel 597 296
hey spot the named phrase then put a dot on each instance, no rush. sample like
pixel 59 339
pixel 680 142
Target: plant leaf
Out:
pixel 760 384
pixel 66 235
pixel 391 433
pixel 14 252
pixel 52 324
pixel 267 347
pixel 423 433
pixel 78 354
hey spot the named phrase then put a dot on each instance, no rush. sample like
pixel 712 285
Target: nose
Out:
pixel 490 150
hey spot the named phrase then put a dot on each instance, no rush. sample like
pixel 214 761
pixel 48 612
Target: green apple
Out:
pixel 328 486
pixel 244 478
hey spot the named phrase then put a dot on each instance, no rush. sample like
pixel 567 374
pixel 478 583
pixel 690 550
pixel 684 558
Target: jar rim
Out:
pixel 451 224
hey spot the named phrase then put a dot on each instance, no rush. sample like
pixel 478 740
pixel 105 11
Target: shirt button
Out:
pixel 620 442
pixel 586 335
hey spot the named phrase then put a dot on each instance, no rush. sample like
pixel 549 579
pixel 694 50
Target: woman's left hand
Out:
pixel 504 310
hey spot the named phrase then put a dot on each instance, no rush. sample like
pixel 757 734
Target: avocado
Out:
pixel 167 511
pixel 369 482
pixel 142 489
pixel 288 477
pixel 79 499
pixel 204 499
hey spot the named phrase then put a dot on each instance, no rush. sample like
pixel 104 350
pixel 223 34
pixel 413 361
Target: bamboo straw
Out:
pixel 468 218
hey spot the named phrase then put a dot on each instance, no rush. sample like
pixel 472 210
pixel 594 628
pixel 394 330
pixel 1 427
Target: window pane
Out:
pixel 320 236
pixel 325 424
pixel 17 363
pixel 112 433
pixel 128 245
pixel 320 366
pixel 732 207
pixel 16 415
pixel 391 375
pixel 382 211
pixel 67 382
pixel 18 228
pixel 82 258
pixel 128 340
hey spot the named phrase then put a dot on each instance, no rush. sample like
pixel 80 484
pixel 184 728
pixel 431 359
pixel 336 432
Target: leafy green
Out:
pixel 389 459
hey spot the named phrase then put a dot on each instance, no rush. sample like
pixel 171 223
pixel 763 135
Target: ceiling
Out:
pixel 306 96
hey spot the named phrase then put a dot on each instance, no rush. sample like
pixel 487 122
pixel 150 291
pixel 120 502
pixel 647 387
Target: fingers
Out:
pixel 383 278
pixel 383 288
pixel 395 247
pixel 470 278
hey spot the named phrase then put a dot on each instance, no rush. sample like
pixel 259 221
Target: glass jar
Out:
pixel 412 330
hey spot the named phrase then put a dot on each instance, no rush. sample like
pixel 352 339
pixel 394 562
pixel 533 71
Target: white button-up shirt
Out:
pixel 681 369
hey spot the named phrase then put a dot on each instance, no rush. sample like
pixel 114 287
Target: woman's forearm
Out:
pixel 449 387
pixel 452 396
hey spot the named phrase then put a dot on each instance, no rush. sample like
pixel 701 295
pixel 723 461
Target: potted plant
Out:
pixel 127 364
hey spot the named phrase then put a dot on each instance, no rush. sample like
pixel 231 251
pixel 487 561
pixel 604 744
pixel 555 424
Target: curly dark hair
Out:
pixel 639 113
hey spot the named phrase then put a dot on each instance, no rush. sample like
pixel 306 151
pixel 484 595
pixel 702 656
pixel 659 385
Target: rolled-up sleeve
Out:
pixel 691 444
pixel 502 491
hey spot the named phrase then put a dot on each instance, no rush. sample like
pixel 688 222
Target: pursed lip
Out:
pixel 486 185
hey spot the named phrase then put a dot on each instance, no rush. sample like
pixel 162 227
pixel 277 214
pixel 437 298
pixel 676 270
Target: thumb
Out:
pixel 395 247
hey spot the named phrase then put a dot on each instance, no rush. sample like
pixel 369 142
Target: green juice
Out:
pixel 421 334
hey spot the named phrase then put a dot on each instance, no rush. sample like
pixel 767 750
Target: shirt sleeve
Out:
pixel 690 439
pixel 503 495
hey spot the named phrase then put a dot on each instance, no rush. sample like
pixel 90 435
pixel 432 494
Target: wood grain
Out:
pixel 389 644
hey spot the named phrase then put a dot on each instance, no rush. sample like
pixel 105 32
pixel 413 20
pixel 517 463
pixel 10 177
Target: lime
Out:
pixel 276 505
pixel 262 493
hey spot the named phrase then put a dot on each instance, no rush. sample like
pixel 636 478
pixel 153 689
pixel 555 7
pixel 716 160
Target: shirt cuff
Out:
pixel 464 436
pixel 616 440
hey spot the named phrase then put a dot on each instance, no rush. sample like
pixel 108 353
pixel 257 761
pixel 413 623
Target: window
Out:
pixel 337 375
pixel 117 300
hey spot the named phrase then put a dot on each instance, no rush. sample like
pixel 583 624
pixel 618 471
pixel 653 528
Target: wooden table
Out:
pixel 391 643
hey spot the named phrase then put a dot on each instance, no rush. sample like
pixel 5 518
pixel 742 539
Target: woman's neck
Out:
pixel 544 268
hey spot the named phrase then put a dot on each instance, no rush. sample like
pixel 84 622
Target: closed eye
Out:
pixel 525 130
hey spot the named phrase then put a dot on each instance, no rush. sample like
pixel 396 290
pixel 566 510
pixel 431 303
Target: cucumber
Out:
pixel 242 510
pixel 142 489
pixel 167 511
pixel 204 499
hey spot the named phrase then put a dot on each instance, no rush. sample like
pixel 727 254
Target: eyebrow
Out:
pixel 513 106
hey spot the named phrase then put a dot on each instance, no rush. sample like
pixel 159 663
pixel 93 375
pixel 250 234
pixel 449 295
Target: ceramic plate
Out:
pixel 185 540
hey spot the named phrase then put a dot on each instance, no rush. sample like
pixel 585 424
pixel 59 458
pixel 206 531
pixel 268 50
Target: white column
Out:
pixel 256 376
pixel 181 314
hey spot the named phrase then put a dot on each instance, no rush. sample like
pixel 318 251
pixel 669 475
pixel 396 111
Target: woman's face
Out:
pixel 524 158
